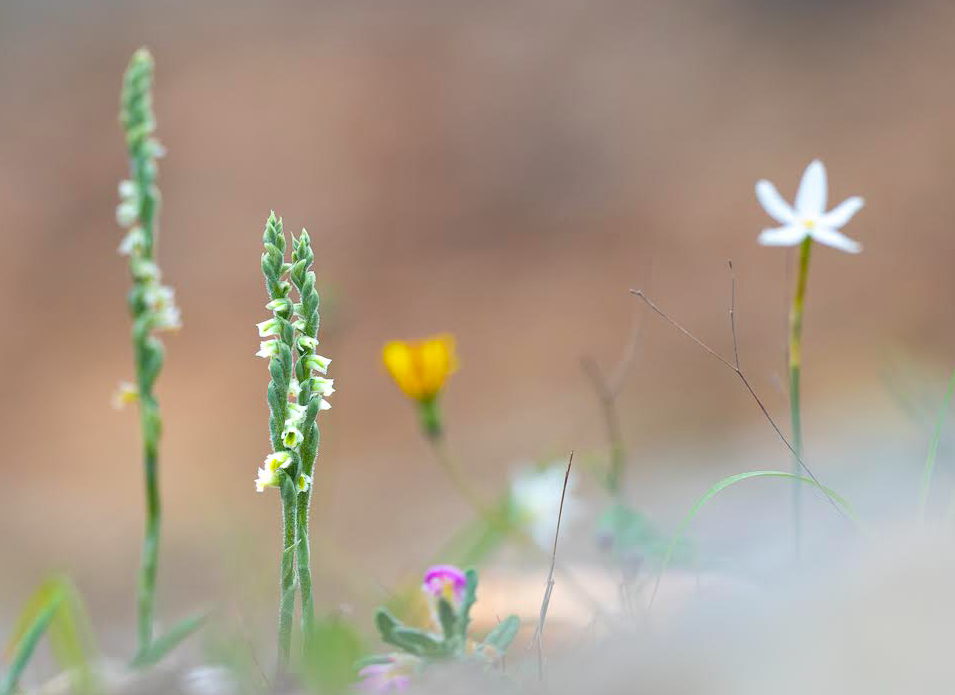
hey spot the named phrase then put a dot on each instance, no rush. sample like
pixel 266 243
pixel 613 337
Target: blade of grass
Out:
pixel 845 507
pixel 929 468
pixel 24 646
pixel 161 646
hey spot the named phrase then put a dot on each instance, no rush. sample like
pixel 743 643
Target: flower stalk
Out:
pixel 795 369
pixel 151 304
pixel 802 223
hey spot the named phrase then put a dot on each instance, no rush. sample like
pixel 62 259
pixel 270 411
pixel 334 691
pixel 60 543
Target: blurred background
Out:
pixel 506 172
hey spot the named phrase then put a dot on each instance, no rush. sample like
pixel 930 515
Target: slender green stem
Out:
pixel 457 478
pixel 150 552
pixel 287 600
pixel 795 368
pixel 304 568
pixel 929 468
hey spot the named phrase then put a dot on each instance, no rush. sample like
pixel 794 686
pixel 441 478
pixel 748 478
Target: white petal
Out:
pixel 843 212
pixel 813 189
pixel 773 203
pixel 783 236
pixel 837 240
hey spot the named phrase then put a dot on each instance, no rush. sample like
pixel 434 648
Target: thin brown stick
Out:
pixel 539 632
pixel 739 372
pixel 607 391
pixel 608 408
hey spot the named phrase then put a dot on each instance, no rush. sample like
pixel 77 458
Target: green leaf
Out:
pixel 722 485
pixel 470 596
pixel 418 642
pixel 504 633
pixel 386 624
pixel 23 645
pixel 447 618
pixel 160 647
pixel 71 637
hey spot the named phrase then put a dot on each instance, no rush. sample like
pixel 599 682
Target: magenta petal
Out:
pixel 439 575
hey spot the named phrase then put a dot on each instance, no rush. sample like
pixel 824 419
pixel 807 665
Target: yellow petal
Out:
pixel 435 360
pixel 398 357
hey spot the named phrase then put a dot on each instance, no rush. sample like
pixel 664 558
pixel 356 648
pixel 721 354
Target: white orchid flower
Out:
pixel 808 217
pixel 280 459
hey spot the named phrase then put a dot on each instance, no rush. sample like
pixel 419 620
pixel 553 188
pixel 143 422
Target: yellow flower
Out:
pixel 420 367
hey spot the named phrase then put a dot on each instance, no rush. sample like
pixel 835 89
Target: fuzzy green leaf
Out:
pixel 504 633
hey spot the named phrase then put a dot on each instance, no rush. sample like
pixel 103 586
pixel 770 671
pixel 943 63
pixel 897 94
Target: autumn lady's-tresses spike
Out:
pixel 151 304
pixel 296 395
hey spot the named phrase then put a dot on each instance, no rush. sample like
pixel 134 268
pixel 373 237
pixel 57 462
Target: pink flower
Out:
pixel 392 676
pixel 445 581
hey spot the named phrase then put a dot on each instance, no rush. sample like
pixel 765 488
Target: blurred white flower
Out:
pixel 294 388
pixel 808 217
pixel 303 483
pixel 209 680
pixel 133 242
pixel 125 394
pixel 535 494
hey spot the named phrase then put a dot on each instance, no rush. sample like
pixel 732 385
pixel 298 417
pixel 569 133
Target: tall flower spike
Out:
pixel 152 305
pixel 311 399
pixel 292 424
pixel 279 352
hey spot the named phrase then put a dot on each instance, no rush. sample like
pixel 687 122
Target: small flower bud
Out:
pixel 128 190
pixel 133 242
pixel 294 388
pixel 144 271
pixel 291 436
pixel 280 305
pixel 306 343
pixel 303 482
pixel 127 213
pixel 294 413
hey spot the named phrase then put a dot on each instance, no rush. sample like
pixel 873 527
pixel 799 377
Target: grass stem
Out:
pixel 795 368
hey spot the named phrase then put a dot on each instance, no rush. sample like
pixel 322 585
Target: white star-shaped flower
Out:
pixel 808 217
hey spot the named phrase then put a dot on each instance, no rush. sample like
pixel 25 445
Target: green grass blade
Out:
pixel 24 645
pixel 722 485
pixel 160 647
pixel 929 469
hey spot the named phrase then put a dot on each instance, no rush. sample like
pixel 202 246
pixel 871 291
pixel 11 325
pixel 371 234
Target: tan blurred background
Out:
pixel 505 171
